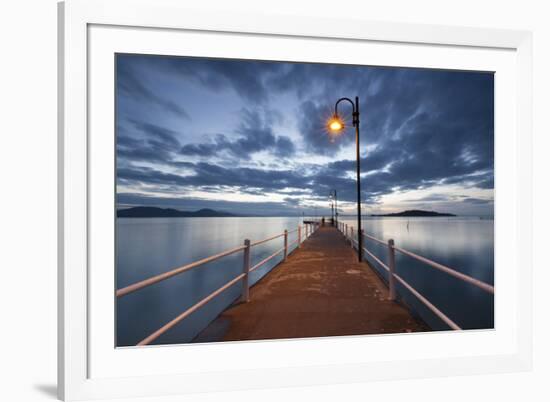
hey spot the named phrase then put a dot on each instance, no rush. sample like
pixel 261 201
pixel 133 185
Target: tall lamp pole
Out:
pixel 334 197
pixel 336 124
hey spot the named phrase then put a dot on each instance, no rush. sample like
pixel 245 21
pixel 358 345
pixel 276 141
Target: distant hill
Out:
pixel 416 212
pixel 154 212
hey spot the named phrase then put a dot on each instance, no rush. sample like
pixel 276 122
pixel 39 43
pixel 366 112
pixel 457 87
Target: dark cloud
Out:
pixel 430 125
pixel 160 136
pixel 206 174
pixel 255 134
pixel 154 143
pixel 131 84
pixel 444 141
pixel 248 79
pixel 316 185
pixel 284 147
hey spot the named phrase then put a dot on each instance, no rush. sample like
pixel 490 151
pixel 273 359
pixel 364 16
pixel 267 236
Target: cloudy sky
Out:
pixel 249 137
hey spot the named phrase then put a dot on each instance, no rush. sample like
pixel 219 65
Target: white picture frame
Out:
pixel 76 378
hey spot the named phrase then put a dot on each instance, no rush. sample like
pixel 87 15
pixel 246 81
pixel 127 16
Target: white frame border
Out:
pixel 74 18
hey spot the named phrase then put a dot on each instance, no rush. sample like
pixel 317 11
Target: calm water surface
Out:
pixel 149 246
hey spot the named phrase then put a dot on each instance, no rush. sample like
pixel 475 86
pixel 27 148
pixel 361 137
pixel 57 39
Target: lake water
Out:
pixel 149 246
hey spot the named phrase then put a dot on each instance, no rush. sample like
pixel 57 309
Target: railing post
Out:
pixel 299 236
pixel 246 270
pixel 351 242
pixel 391 260
pixel 286 245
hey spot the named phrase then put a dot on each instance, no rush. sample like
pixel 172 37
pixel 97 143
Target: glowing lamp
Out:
pixel 336 124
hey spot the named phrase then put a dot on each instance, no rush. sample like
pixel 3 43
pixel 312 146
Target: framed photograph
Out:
pixel 253 201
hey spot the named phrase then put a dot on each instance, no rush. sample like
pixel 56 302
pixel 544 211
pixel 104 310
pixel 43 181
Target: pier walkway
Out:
pixel 320 290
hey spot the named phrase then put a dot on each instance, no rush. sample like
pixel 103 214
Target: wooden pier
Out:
pixel 320 290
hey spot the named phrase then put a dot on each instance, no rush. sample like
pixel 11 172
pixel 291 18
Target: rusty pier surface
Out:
pixel 320 290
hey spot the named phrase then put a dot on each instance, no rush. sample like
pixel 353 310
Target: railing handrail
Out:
pixel 256 243
pixel 374 238
pixel 466 278
pixel 262 262
pixel 393 276
pixel 243 276
pixel 428 304
pixel 415 292
pixel 450 271
pixel 189 311
pixel 160 277
pixel 157 278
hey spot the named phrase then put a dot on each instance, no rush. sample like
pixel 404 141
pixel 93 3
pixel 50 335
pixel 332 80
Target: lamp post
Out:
pixel 334 197
pixel 336 124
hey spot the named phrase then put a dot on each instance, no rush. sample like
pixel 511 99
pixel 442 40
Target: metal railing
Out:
pixel 394 278
pixel 304 231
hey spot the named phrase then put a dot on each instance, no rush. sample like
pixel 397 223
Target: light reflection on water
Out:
pixel 149 246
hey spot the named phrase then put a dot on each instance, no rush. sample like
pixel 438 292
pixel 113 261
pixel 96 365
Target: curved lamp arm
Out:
pixel 355 110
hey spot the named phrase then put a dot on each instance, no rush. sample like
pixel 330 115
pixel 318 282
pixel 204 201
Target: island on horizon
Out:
pixel 156 212
pixel 415 213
